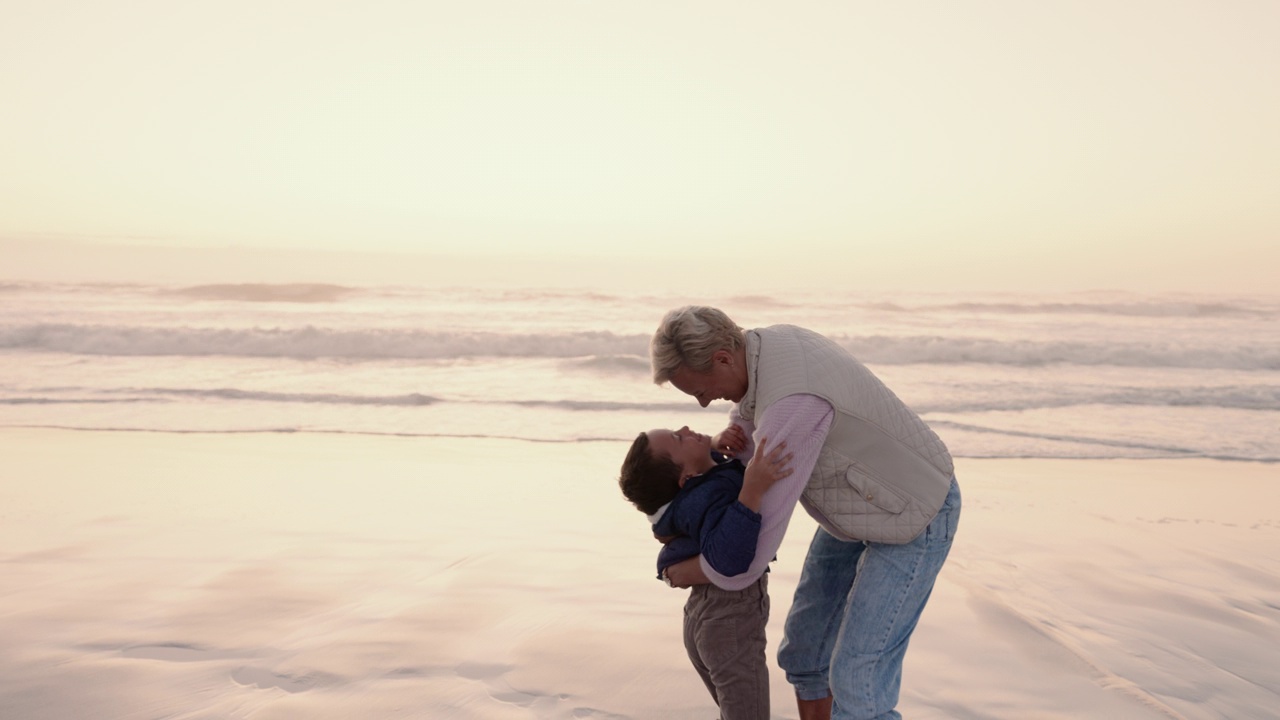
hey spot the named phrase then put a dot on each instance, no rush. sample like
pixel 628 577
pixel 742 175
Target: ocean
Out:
pixel 1085 375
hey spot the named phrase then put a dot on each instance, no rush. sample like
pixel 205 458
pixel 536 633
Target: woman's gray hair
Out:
pixel 688 337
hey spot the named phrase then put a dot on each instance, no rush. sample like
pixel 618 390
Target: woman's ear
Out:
pixel 683 479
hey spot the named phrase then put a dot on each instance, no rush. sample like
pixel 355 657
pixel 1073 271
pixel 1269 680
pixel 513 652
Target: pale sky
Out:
pixel 995 145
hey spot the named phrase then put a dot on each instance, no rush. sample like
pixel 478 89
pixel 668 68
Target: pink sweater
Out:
pixel 803 421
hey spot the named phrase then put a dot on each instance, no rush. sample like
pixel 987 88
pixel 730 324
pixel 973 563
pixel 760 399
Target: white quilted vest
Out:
pixel 882 474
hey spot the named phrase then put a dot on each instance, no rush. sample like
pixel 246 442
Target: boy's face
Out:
pixel 686 448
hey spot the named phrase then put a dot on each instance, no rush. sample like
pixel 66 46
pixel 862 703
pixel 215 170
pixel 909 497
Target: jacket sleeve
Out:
pixel 728 534
pixel 682 547
pixel 724 529
pixel 803 421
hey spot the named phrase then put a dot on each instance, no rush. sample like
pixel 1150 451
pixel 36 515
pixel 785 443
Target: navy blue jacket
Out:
pixel 709 521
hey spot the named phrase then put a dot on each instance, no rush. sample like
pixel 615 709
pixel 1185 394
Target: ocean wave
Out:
pixel 606 351
pixel 1029 353
pixel 599 405
pixel 406 400
pixel 312 342
pixel 611 364
pixel 1154 308
pixel 1103 448
pixel 759 302
pixel 138 395
pixel 1239 397
pixel 70 401
pixel 523 295
pixel 262 292
pixel 313 431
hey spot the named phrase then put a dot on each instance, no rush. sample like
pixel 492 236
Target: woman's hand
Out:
pixel 763 471
pixel 730 441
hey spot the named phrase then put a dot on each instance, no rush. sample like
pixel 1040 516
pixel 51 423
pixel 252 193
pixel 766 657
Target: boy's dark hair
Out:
pixel 647 480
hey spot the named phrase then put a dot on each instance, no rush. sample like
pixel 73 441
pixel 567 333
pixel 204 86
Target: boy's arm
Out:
pixel 728 533
pixel 681 547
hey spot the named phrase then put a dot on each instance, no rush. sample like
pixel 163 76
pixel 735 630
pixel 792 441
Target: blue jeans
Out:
pixel 854 611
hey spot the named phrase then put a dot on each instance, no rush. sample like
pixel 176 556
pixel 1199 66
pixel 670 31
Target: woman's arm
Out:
pixel 728 528
pixel 802 421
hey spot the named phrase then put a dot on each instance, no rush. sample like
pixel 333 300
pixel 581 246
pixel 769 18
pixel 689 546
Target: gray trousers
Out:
pixel 724 636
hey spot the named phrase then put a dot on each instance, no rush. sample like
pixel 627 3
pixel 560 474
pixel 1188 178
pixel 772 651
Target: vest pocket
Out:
pixel 872 490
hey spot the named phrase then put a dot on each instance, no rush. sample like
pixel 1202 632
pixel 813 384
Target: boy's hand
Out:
pixel 763 471
pixel 664 539
pixel 730 441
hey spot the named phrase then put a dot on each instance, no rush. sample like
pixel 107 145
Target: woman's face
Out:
pixel 686 448
pixel 722 382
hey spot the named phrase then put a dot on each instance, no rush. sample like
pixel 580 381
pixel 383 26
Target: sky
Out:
pixel 926 145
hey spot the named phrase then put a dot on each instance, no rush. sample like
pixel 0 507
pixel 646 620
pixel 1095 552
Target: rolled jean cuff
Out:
pixel 816 689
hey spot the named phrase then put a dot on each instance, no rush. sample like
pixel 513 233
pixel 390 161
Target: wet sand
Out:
pixel 271 576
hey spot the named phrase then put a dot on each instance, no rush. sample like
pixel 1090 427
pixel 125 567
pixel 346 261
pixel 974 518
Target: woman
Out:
pixel 879 482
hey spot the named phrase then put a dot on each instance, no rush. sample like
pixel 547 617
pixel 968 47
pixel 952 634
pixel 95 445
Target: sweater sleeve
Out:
pixel 803 421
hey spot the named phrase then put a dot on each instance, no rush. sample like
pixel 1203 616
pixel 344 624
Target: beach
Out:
pixel 313 575
pixel 325 329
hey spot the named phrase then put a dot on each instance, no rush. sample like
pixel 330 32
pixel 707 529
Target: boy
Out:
pixel 702 504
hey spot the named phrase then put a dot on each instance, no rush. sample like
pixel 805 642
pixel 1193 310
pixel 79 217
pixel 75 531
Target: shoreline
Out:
pixel 594 440
pixel 298 574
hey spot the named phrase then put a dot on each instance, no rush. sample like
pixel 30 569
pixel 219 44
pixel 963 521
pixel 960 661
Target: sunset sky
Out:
pixel 967 145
